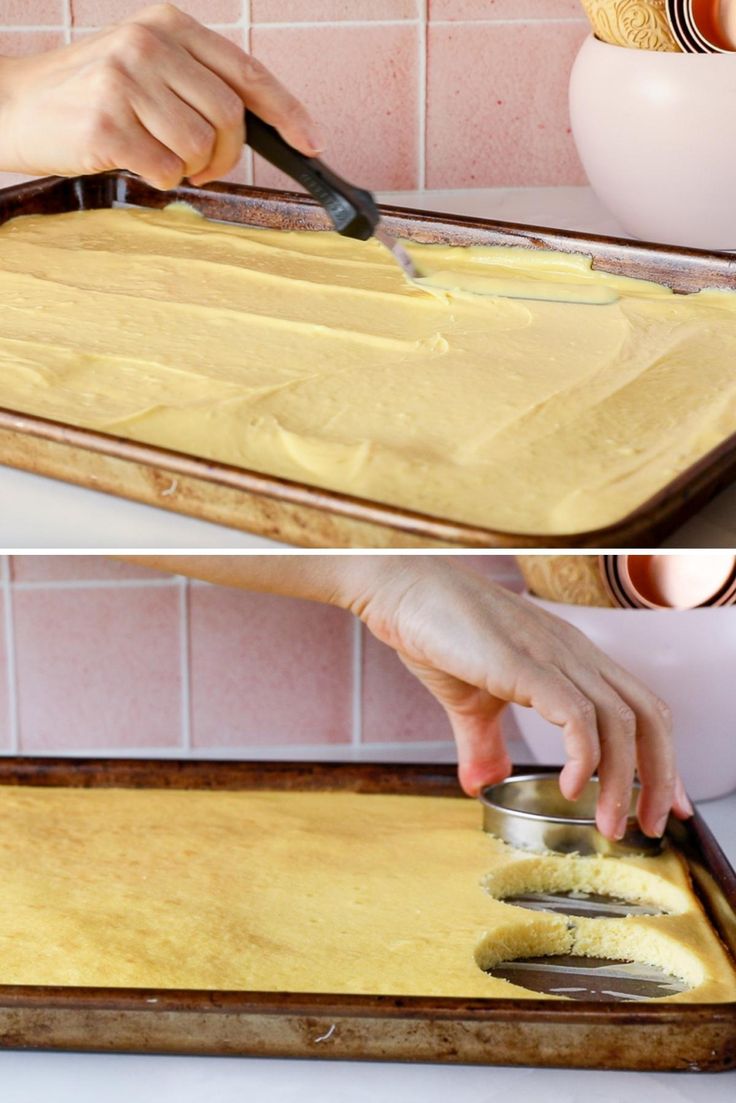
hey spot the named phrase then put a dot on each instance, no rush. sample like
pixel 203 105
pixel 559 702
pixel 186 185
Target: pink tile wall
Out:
pixel 24 12
pixel 306 11
pixel 119 659
pixel 98 13
pixel 14 43
pixel 268 670
pixel 362 84
pixel 481 10
pixel 97 666
pixel 411 93
pixel 494 116
pixel 76 568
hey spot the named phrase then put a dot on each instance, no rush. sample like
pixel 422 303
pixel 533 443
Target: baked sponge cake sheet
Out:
pixel 311 357
pixel 311 892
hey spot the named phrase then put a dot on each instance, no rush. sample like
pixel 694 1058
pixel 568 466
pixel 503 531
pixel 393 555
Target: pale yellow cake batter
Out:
pixel 309 892
pixel 309 356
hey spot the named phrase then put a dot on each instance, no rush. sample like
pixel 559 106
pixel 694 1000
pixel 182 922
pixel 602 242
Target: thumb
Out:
pixel 474 716
pixel 482 758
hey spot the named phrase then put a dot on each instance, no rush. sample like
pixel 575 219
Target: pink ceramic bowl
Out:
pixel 688 658
pixel 656 133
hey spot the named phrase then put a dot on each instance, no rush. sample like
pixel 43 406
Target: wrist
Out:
pixel 371 585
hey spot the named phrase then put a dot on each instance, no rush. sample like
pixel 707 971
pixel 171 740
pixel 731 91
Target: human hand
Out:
pixel 476 646
pixel 158 94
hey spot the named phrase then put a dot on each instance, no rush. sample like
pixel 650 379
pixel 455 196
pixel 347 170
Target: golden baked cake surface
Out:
pixel 309 892
pixel 311 357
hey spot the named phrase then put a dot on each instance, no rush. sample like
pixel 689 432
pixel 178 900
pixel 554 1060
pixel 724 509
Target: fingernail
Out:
pixel 660 826
pixel 316 137
pixel 621 828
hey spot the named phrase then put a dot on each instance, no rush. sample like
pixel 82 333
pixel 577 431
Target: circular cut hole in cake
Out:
pixel 589 978
pixel 591 905
pixel 584 959
pixel 592 888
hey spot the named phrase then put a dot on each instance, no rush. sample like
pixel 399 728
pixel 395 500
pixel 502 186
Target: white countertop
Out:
pixel 90 1078
pixel 36 512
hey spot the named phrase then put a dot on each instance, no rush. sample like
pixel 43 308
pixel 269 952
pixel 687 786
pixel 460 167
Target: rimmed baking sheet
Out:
pixel 604 1035
pixel 297 512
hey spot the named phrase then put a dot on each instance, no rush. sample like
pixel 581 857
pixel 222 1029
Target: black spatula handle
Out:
pixel 353 211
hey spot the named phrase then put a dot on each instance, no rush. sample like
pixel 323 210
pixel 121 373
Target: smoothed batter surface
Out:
pixel 311 357
pixel 310 892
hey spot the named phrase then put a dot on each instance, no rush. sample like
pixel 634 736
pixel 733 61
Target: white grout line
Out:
pixel 339 752
pixel 508 22
pixel 311 23
pixel 357 726
pixel 412 22
pixel 67 20
pixel 409 745
pixel 186 704
pixel 422 104
pixel 10 665
pixel 66 24
pixel 98 584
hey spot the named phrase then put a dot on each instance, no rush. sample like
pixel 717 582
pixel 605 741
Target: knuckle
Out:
pixel 547 668
pixel 291 108
pixel 201 139
pixel 254 71
pixel 108 82
pixel 664 712
pixel 165 15
pixel 626 718
pixel 168 170
pixel 135 42
pixel 230 110
pixel 100 127
pixel 583 710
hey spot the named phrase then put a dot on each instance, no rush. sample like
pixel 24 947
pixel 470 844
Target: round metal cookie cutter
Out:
pixel 529 812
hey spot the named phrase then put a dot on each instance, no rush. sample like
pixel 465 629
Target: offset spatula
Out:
pixel 353 211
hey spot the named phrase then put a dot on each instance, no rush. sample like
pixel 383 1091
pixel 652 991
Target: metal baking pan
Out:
pixel 603 1035
pixel 299 513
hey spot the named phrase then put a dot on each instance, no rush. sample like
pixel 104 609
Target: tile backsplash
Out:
pixel 103 657
pixel 411 93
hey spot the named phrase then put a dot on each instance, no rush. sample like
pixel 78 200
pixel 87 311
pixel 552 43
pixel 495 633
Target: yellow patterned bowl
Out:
pixel 641 24
pixel 574 579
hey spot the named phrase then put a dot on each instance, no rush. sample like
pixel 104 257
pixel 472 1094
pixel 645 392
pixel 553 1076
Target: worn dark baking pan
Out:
pixel 603 1035
pixel 297 512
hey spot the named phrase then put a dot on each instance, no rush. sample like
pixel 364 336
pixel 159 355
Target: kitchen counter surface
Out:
pixel 42 513
pixel 88 1078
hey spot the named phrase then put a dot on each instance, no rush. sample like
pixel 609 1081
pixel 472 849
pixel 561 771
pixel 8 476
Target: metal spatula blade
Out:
pixel 397 250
